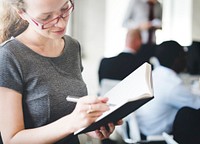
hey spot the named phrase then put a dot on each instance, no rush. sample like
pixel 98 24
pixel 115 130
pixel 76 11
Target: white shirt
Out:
pixel 170 95
pixel 129 50
pixel 137 13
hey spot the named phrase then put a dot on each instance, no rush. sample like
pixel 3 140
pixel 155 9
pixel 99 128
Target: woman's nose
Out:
pixel 61 22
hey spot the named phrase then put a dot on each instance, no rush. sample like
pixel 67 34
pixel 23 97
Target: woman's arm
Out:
pixel 12 123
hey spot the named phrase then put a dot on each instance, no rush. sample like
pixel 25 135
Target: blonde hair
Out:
pixel 10 22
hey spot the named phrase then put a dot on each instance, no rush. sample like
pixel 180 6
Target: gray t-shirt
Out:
pixel 44 82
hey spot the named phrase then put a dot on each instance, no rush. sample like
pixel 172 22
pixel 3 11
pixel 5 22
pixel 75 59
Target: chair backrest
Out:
pixel 169 139
pixel 129 130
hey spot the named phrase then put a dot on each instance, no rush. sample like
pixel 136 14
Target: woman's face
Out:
pixel 48 17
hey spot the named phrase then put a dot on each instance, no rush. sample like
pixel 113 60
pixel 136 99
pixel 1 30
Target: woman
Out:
pixel 39 67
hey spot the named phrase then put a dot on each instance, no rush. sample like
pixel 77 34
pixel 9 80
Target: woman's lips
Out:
pixel 59 31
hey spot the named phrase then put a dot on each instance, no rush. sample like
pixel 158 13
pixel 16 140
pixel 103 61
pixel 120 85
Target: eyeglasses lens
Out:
pixel 64 15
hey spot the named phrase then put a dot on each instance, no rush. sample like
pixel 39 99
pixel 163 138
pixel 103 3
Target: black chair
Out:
pixel 186 127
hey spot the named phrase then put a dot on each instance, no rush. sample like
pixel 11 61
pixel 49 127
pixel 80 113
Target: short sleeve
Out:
pixel 10 71
pixel 80 56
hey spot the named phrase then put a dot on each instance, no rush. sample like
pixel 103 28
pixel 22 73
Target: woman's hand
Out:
pixel 104 131
pixel 87 110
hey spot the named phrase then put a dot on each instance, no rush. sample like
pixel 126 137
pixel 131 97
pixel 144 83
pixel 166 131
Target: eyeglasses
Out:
pixel 54 21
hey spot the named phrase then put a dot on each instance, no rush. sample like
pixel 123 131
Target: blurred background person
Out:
pixel 145 15
pixel 158 115
pixel 123 64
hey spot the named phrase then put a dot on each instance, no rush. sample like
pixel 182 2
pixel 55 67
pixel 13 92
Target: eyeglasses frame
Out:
pixel 41 26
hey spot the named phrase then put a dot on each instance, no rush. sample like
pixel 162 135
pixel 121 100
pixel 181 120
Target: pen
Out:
pixel 72 98
pixel 75 99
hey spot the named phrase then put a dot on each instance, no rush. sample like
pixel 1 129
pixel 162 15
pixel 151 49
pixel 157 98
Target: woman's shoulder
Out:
pixel 12 48
pixel 7 45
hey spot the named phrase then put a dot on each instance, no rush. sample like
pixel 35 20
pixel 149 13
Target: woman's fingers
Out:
pixel 120 122
pixel 93 99
pixel 105 131
pixel 91 104
pixel 88 109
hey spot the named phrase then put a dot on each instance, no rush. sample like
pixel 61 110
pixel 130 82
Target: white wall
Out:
pixel 115 33
pixel 196 20
pixel 181 21
pixel 89 28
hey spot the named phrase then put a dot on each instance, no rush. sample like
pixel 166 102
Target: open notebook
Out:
pixel 127 96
